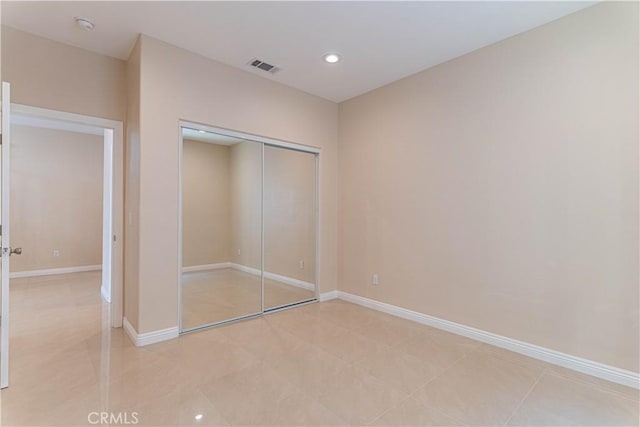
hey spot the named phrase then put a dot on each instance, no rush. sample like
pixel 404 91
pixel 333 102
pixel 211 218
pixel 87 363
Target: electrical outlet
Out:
pixel 374 280
pixel 56 252
pixel 301 264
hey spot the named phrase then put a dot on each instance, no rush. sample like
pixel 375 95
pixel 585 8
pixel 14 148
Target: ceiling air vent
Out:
pixel 256 63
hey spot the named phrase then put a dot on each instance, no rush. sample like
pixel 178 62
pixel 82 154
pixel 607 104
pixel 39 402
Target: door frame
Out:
pixel 265 141
pixel 113 189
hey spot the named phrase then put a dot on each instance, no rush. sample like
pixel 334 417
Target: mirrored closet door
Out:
pixel 221 228
pixel 248 227
pixel 289 226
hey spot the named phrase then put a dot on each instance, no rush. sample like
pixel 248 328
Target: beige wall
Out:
pixel 176 84
pixel 500 189
pixel 206 200
pixel 56 198
pixel 289 226
pixel 48 74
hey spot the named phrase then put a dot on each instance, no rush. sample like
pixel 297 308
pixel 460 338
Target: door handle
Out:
pixel 11 251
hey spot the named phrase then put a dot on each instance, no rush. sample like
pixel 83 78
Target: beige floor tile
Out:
pixel 388 332
pixel 453 340
pixel 301 410
pixel 342 342
pixel 480 389
pixel 37 399
pixel 559 401
pixel 343 314
pixel 115 363
pixel 358 397
pixel 400 369
pixel 513 356
pixel 147 384
pixel 304 326
pixel 180 408
pixel 627 392
pixel 209 355
pixel 308 367
pixel 247 330
pixel 328 308
pixel 250 396
pixel 413 413
pixel 108 338
pixel 73 410
pixel 439 350
pixel 260 338
pixel 332 364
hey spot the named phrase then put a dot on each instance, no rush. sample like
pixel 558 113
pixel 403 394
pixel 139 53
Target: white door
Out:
pixel 4 238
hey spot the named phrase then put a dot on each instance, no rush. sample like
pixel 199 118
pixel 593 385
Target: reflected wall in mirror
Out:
pixel 221 228
pixel 289 226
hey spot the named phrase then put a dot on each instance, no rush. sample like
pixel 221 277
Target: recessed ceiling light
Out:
pixel 84 23
pixel 198 417
pixel 201 131
pixel 331 58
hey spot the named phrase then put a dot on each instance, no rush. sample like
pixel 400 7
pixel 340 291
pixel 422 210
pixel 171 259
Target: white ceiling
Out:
pixel 380 42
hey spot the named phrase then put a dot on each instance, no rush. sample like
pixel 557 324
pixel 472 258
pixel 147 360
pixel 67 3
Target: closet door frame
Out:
pixel 264 141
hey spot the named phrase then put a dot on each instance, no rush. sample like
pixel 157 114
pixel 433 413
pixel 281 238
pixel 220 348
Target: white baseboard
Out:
pixel 290 281
pixel 205 267
pixel 245 268
pixel 254 271
pixel 589 367
pixel 273 276
pixel 326 296
pixel 148 337
pixel 53 271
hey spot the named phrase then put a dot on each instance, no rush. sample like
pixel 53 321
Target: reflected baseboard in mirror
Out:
pixel 229 291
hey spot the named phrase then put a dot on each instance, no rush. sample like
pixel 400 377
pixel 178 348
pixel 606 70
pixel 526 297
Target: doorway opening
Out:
pixel 74 164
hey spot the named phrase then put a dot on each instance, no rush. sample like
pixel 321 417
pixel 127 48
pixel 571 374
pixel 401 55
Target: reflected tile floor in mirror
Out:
pixel 323 364
pixel 226 293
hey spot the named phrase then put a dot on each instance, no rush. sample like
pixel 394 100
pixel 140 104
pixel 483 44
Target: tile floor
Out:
pixel 323 364
pixel 216 295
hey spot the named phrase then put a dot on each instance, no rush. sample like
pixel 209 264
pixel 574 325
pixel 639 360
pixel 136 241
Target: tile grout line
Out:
pixel 443 371
pixel 412 395
pixel 460 423
pixel 388 410
pixel 585 383
pixel 517 408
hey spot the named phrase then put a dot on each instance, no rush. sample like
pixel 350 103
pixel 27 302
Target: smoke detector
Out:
pixel 261 65
pixel 84 23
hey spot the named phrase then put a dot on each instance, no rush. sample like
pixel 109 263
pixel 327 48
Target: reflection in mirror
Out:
pixel 289 226
pixel 221 228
